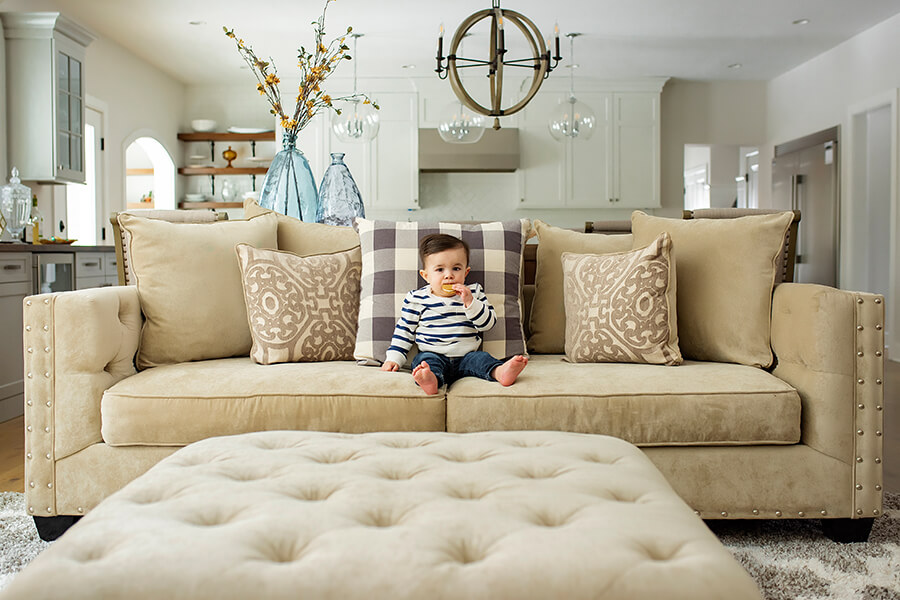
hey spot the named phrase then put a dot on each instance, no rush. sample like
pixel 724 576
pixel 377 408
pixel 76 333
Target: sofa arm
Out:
pixel 829 345
pixel 77 344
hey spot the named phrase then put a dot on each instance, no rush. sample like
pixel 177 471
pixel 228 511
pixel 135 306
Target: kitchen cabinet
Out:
pixel 15 284
pixel 95 269
pixel 617 167
pixel 386 170
pixel 45 55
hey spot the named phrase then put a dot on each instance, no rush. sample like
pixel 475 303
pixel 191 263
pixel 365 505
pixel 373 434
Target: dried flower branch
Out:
pixel 314 67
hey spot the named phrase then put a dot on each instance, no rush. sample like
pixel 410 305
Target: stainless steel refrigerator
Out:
pixel 805 177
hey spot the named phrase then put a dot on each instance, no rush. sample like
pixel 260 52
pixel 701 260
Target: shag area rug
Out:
pixel 790 560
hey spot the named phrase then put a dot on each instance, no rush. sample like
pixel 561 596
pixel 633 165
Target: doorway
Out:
pixel 149 175
pixel 871 217
pixel 85 203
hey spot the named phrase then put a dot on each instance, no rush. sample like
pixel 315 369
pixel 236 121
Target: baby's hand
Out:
pixel 390 365
pixel 465 294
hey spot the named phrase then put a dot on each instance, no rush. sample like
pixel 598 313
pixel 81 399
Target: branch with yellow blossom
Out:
pixel 314 67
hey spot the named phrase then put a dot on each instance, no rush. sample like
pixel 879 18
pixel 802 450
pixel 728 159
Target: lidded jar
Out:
pixel 15 204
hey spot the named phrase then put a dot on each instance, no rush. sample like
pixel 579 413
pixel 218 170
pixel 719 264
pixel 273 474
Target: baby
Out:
pixel 445 318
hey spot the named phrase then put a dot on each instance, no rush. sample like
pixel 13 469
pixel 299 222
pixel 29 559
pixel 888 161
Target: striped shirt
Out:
pixel 441 325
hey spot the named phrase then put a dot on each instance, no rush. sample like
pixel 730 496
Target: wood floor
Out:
pixel 12 440
pixel 12 455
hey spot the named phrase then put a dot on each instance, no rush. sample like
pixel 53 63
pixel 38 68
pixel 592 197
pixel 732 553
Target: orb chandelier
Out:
pixel 358 123
pixel 572 118
pixel 538 62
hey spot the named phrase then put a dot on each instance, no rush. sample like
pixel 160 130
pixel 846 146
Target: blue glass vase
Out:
pixel 339 199
pixel 289 187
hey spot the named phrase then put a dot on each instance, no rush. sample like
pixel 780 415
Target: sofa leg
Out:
pixel 50 528
pixel 847 530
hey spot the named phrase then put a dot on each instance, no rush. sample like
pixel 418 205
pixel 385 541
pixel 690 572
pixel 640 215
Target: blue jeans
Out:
pixel 447 369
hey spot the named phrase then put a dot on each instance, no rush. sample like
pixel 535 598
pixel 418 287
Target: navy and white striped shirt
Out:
pixel 441 325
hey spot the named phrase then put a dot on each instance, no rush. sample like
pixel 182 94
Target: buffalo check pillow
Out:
pixel 390 269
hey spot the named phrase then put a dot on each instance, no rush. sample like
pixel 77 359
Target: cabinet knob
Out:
pixel 59 167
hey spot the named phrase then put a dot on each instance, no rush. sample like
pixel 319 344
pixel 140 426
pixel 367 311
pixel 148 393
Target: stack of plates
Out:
pixel 194 197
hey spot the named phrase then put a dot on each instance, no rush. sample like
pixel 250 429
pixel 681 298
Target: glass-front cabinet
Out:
pixel 45 55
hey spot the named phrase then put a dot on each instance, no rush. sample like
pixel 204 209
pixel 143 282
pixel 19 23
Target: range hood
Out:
pixel 496 152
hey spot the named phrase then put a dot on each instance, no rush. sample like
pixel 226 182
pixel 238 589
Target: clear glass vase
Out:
pixel 339 198
pixel 289 187
pixel 15 205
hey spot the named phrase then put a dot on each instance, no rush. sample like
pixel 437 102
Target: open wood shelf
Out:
pixel 210 205
pixel 266 136
pixel 222 170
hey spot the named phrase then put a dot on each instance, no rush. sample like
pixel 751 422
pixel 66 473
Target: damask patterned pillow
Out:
pixel 621 307
pixel 300 309
pixel 390 255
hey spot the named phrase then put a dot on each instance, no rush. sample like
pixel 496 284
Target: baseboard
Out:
pixel 12 407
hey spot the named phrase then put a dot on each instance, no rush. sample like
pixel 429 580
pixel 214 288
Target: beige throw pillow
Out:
pixel 621 307
pixel 548 313
pixel 305 239
pixel 726 272
pixel 189 286
pixel 300 309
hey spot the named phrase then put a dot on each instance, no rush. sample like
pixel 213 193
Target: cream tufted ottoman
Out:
pixel 392 515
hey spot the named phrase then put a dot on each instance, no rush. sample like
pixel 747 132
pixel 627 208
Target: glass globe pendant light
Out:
pixel 572 118
pixel 358 122
pixel 460 125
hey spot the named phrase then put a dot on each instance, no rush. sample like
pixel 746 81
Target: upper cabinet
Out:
pixel 386 169
pixel 45 55
pixel 617 167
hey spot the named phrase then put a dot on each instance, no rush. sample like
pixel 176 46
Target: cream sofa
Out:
pixel 802 440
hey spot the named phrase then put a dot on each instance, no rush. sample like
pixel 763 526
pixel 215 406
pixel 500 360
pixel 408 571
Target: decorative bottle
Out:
pixel 33 232
pixel 339 199
pixel 289 187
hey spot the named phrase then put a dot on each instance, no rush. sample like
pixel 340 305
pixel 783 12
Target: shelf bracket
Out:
pixel 212 184
pixel 252 147
pixel 212 150
pixel 253 182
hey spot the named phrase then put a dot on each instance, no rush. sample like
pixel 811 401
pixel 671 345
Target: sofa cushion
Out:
pixel 300 308
pixel 726 273
pixel 547 317
pixel 390 255
pixel 180 404
pixel 189 284
pixel 621 307
pixel 697 403
pixel 305 239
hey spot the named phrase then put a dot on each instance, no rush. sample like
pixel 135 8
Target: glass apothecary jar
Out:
pixel 15 205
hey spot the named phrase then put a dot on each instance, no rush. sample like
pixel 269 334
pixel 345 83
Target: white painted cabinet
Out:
pixel 45 90
pixel 15 284
pixel 617 167
pixel 386 170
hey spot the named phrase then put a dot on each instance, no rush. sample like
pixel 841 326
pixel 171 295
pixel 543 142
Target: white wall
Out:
pixel 708 113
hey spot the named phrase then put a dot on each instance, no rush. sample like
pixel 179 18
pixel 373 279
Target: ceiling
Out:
pixel 691 39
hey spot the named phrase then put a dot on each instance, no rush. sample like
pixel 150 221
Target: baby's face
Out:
pixel 445 268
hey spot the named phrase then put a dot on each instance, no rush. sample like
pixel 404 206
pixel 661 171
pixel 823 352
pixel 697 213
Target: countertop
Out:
pixel 19 247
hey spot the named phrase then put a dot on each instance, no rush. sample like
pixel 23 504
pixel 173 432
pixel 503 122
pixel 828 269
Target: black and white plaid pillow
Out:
pixel 390 269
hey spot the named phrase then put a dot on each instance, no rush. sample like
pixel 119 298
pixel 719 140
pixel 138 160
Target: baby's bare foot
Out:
pixel 506 373
pixel 425 378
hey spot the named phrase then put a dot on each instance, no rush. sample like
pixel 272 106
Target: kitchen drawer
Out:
pixel 109 264
pixel 89 264
pixel 15 267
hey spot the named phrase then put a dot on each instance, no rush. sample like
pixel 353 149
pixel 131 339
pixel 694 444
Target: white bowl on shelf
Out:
pixel 203 125
pixel 194 197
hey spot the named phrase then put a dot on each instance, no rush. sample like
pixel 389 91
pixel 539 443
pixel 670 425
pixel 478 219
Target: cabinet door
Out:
pixel 543 180
pixel 15 284
pixel 590 160
pixel 636 150
pixel 69 98
pixel 395 165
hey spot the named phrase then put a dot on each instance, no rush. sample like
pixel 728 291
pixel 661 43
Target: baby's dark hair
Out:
pixel 438 242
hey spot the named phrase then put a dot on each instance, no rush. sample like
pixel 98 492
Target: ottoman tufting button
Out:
pixel 859 511
pixel 724 513
pixel 801 514
pixel 755 511
pixel 824 513
pixel 878 488
pixel 858 486
pixel 859 459
pixel 777 513
pixel 875 512
pixel 877 460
